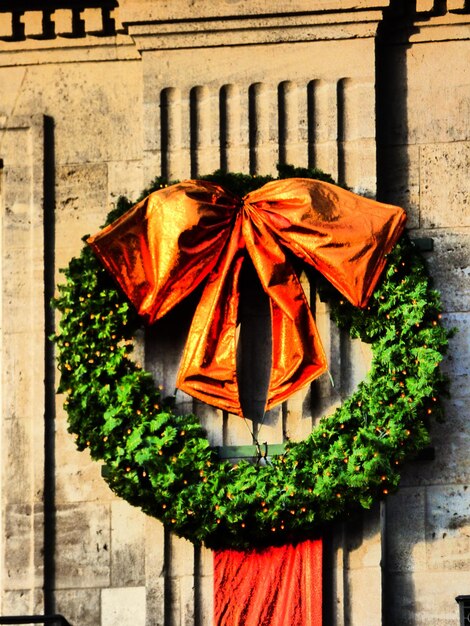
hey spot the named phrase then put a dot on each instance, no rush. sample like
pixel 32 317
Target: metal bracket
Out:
pixel 424 244
pixel 254 451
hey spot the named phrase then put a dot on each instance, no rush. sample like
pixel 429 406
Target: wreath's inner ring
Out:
pixel 163 343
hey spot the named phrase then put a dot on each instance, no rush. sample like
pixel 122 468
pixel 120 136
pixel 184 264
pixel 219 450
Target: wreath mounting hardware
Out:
pixel 162 462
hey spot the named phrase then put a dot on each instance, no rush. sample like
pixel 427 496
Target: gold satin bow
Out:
pixel 194 231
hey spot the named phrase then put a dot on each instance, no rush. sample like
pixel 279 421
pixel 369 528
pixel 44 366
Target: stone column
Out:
pixel 22 431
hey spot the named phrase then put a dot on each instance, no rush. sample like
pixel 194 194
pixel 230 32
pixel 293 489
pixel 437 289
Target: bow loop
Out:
pixel 196 231
pixel 344 236
pixel 165 246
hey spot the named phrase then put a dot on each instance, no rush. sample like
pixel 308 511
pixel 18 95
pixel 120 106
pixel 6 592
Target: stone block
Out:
pixel 437 115
pixel 125 178
pixel 81 203
pixel 359 166
pixel 153 135
pixel 206 600
pixel 22 142
pixel 297 424
pixel 23 301
pixel 22 268
pixel 356 358
pixel 312 26
pixel 270 429
pixel 78 187
pixel 450 440
pixel 63 21
pixel 182 557
pixel 93 20
pixel 164 347
pixel 399 178
pixel 156 603
pixel 456 5
pixel 326 157
pixel 97 109
pixel 22 567
pixel 22 467
pixel 405 531
pixel 325 395
pixel 334 551
pixel 424 5
pixel 123 607
pixel 128 543
pixel 181 600
pixel 23 602
pixel 457 363
pixel 152 165
pixel 449 266
pixel 17 197
pixel 81 607
pixel 154 550
pixel 212 420
pixel 236 432
pixel 115 16
pixel 20 318
pixel 364 597
pixel 363 547
pixel 79 479
pixel 186 597
pixel 445 185
pixel 204 586
pixel 424 598
pixel 180 581
pixel 6 28
pixel 33 23
pixel 448 527
pixel 206 562
pixel 21 387
pixel 83 545
pixel 360 110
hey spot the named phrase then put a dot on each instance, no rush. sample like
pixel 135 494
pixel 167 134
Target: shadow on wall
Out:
pixel 393 186
pixel 418 526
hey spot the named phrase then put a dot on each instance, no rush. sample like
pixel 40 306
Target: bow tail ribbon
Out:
pixel 297 353
pixel 208 367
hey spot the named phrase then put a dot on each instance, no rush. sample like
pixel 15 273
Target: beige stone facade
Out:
pixel 97 100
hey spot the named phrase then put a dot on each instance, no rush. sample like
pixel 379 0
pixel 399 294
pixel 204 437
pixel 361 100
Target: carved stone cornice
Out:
pixel 117 29
pixel 180 24
pixel 134 11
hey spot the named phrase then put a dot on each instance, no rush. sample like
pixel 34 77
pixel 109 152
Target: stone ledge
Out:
pixel 62 50
pixel 133 11
pixel 442 28
pixel 429 26
pixel 252 30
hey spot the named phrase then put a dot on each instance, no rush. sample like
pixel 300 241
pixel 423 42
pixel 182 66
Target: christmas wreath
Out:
pixel 162 462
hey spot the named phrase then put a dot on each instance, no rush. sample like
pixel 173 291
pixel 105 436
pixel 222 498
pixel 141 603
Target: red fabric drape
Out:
pixel 278 586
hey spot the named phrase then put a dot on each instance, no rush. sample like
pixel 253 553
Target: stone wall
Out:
pixel 424 158
pixel 95 102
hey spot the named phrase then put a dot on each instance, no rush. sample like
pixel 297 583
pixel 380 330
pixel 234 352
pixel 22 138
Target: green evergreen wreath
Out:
pixel 161 461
